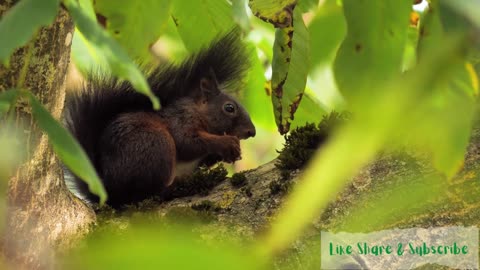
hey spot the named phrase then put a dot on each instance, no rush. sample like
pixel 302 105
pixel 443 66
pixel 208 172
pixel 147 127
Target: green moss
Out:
pixel 200 182
pixel 301 143
pixel 187 215
pixel 238 179
pixel 279 186
pixel 205 205
pixel 247 190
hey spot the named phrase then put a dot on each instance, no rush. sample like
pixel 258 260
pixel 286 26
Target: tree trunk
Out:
pixel 42 214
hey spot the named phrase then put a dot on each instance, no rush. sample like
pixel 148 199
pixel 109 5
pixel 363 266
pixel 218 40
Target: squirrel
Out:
pixel 139 152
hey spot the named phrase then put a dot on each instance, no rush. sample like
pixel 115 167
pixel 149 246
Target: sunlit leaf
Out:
pixel 388 205
pixel 121 19
pixel 431 31
pixel 85 56
pixel 256 97
pixel 277 12
pixel 158 248
pixel 410 53
pixel 470 8
pixel 67 148
pixel 6 99
pixel 100 43
pixel 307 5
pixel 19 24
pixel 311 111
pixel 199 22
pixel 326 30
pixel 373 49
pixel 290 65
pixel 445 120
pixel 356 143
pixel 240 14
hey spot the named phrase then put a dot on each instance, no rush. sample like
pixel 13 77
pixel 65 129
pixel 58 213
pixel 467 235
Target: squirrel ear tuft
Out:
pixel 209 84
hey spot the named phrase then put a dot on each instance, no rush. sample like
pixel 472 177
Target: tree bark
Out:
pixel 42 215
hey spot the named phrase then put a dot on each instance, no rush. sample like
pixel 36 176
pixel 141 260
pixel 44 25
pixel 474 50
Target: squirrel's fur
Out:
pixel 135 149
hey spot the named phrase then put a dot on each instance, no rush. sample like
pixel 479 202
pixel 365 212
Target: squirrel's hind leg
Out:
pixel 137 158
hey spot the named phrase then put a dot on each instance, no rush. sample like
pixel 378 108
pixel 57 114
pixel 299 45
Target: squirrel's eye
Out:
pixel 229 108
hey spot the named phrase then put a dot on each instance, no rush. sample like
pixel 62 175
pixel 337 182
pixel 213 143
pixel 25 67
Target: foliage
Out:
pixel 18 30
pixel 200 182
pixel 238 180
pixel 402 88
pixel 301 143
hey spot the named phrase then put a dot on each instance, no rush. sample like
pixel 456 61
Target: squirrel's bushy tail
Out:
pixel 227 57
pixel 89 110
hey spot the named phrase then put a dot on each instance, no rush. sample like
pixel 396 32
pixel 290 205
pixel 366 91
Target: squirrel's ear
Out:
pixel 209 84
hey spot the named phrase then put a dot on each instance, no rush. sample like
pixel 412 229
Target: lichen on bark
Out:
pixel 42 215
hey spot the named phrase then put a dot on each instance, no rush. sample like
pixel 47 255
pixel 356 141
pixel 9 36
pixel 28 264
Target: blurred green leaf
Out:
pixel 199 22
pixel 431 30
pixel 19 24
pixel 155 247
pixel 100 43
pixel 136 25
pixel 373 49
pixel 240 14
pixel 6 100
pixel 310 111
pixel 410 53
pixel 256 97
pixel 67 149
pixel 290 65
pixel 391 114
pixel 470 8
pixel 327 30
pixel 388 205
pixel 455 20
pixel 307 5
pixel 277 12
pixel 85 56
pixel 445 119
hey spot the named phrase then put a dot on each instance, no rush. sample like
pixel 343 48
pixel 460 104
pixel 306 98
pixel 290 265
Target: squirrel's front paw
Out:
pixel 230 151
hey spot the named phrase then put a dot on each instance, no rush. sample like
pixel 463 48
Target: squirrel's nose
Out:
pixel 251 133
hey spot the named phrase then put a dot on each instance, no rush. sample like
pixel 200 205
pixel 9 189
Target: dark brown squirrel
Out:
pixel 138 152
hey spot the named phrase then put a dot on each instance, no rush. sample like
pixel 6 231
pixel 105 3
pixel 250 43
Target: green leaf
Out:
pixel 327 30
pixel 445 120
pixel 310 111
pixel 67 148
pixel 85 56
pixel 470 8
pixel 410 53
pixel 199 22
pixel 100 43
pixel 240 14
pixel 19 24
pixel 277 12
pixel 159 246
pixel 122 22
pixel 256 97
pixel 291 52
pixel 431 31
pixel 307 5
pixel 373 49
pixel 6 100
pixel 356 143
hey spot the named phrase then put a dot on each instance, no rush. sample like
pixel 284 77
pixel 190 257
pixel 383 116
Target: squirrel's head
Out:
pixel 223 113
